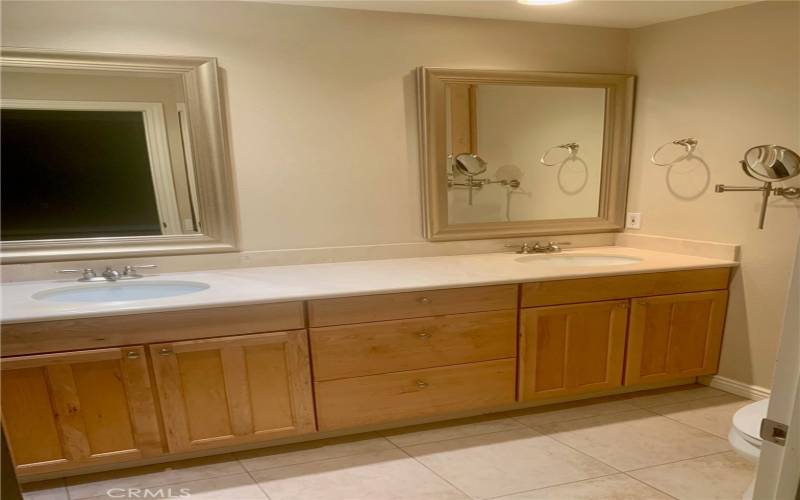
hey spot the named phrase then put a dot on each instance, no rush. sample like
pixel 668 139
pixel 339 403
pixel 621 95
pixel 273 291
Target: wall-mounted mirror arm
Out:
pixel 768 163
pixel 470 165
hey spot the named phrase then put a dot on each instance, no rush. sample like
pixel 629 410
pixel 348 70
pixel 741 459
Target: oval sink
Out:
pixel 566 260
pixel 120 291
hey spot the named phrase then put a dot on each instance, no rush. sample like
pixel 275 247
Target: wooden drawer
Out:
pixel 359 401
pixel 88 333
pixel 410 344
pixel 347 310
pixel 547 293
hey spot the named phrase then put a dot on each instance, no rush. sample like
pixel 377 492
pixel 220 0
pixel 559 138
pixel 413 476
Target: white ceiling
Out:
pixel 607 13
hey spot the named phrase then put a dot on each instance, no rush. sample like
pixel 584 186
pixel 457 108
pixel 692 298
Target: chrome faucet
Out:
pixel 551 247
pixel 110 274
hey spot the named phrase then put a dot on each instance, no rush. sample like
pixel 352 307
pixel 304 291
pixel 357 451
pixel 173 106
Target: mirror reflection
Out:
pixel 95 154
pixel 770 163
pixel 537 149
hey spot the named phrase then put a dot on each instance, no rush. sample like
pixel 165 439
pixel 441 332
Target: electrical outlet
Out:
pixel 633 220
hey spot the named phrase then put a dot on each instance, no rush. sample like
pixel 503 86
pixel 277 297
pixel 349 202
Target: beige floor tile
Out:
pixel 383 475
pixel 672 395
pixel 572 411
pixel 713 415
pixel 236 487
pixel 724 477
pixel 153 475
pixel 635 439
pixel 54 489
pixel 616 487
pixel 440 431
pixel 502 463
pixel 313 451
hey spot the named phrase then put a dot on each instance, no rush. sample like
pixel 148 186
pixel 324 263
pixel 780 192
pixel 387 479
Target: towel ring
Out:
pixel 689 143
pixel 572 147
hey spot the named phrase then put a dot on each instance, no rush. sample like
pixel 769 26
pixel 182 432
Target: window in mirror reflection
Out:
pixel 511 127
pixel 89 155
pixel 77 174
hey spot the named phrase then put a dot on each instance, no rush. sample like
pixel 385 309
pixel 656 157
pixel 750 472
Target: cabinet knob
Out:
pixel 132 355
pixel 165 351
pixel 421 384
pixel 424 300
pixel 424 335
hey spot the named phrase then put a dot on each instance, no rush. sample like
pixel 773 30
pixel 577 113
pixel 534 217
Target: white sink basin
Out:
pixel 120 291
pixel 581 260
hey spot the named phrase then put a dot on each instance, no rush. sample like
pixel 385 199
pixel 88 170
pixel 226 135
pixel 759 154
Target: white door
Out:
pixel 778 474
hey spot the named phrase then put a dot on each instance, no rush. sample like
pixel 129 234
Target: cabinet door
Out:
pixel 675 336
pixel 68 410
pixel 229 390
pixel 571 349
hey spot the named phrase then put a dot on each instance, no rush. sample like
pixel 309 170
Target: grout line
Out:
pixel 531 426
pixel 690 425
pixel 432 471
pixel 650 485
pixel 523 428
pixel 356 453
pixel 679 461
pixel 555 485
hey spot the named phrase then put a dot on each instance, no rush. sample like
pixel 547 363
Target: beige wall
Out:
pixel 731 79
pixel 322 102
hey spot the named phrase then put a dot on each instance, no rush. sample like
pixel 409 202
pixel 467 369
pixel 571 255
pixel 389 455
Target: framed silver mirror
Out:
pixel 112 155
pixel 523 153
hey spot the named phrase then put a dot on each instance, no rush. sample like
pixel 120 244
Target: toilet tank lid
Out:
pixel 748 419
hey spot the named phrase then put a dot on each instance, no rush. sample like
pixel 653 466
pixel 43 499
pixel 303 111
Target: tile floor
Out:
pixel 657 445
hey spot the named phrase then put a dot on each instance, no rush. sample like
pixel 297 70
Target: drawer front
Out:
pixel 547 293
pixel 89 333
pixel 410 344
pixel 395 396
pixel 348 310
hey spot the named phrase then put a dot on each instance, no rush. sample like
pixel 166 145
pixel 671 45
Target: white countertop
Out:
pixel 313 281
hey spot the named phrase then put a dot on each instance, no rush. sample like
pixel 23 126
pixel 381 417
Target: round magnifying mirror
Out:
pixel 470 164
pixel 770 163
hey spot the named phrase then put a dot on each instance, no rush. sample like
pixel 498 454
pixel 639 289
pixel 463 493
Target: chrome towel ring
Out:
pixel 689 144
pixel 572 147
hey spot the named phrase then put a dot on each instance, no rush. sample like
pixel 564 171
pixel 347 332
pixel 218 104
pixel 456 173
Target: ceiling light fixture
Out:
pixel 542 2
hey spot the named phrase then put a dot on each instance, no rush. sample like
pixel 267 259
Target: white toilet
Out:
pixel 745 436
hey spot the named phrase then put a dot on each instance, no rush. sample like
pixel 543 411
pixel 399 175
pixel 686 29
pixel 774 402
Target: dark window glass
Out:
pixel 75 174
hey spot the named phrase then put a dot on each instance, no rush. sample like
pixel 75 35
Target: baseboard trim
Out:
pixel 726 384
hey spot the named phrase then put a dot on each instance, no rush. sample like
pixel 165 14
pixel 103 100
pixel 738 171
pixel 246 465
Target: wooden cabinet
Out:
pixel 675 336
pixel 362 309
pixel 411 344
pixel 571 349
pixel 67 410
pixel 351 402
pixel 229 390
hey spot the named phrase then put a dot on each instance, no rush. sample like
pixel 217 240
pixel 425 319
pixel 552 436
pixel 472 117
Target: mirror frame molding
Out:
pixel 431 100
pixel 216 193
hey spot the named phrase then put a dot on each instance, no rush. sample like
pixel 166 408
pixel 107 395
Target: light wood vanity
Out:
pixel 101 391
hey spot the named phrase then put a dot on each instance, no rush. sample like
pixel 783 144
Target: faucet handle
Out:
pixel 87 274
pixel 525 248
pixel 556 246
pixel 130 271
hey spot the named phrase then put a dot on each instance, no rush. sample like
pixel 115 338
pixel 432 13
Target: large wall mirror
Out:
pixel 512 153
pixel 111 155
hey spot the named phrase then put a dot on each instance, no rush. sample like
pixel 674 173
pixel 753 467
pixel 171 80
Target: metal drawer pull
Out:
pixel 132 355
pixel 424 335
pixel 421 384
pixel 165 351
pixel 424 300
